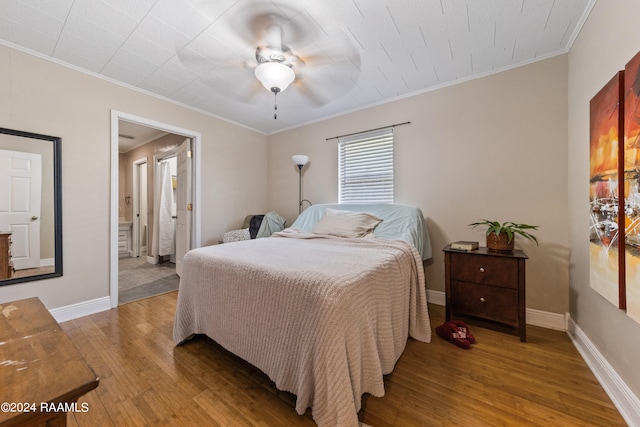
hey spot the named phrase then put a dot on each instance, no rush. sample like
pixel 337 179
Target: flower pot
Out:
pixel 500 242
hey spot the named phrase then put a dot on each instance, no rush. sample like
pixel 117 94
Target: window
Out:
pixel 365 167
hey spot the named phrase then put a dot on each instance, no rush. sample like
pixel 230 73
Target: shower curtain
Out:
pixel 164 230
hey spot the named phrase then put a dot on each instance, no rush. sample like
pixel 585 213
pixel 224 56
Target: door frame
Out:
pixel 196 223
pixel 137 178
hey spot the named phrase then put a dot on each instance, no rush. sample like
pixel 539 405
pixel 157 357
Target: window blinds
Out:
pixel 365 167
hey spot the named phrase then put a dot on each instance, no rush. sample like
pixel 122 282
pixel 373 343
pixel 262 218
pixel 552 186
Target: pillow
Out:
pixel 346 223
pixel 236 235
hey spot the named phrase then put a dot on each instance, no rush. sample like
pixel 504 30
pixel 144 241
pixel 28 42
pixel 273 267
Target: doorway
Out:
pixel 140 232
pixel 147 264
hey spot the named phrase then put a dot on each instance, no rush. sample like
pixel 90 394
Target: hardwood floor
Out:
pixel 146 380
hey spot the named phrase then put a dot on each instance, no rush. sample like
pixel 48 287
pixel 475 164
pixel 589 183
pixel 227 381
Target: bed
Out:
pixel 323 313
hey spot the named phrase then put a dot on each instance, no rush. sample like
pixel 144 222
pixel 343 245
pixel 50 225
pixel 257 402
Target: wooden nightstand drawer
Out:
pixel 484 269
pixel 488 302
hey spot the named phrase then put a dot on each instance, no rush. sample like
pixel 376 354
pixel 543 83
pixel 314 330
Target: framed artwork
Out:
pixel 632 185
pixel 606 239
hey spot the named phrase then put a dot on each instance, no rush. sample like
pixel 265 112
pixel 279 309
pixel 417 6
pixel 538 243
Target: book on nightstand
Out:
pixel 463 245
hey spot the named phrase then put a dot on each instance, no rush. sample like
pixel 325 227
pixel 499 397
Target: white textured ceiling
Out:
pixel 357 53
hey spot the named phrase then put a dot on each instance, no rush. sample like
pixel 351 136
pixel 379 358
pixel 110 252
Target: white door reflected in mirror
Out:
pixel 20 203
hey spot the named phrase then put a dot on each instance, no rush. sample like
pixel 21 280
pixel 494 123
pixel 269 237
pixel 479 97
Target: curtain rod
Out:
pixel 370 130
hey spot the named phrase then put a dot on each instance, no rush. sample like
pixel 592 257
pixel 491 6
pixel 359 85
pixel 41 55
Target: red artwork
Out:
pixel 632 186
pixel 607 253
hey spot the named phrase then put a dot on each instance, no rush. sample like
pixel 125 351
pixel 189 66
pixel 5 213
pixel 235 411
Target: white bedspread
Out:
pixel 325 318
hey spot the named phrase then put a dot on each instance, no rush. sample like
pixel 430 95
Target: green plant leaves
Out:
pixel 508 227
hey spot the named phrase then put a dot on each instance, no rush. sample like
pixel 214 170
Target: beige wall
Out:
pixel 43 97
pixel 493 147
pixel 608 40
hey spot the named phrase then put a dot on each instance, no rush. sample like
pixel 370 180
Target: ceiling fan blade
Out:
pixel 335 49
pixel 246 90
pixel 307 90
pixel 264 31
pixel 322 85
pixel 194 62
pixel 253 91
pixel 273 36
pixel 315 98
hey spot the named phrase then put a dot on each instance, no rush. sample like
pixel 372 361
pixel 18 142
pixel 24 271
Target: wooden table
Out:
pixel 42 374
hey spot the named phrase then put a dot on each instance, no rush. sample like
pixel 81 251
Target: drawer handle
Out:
pixel 482 299
pixel 481 269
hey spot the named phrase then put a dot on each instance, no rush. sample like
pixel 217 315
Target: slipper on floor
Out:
pixel 449 331
pixel 464 328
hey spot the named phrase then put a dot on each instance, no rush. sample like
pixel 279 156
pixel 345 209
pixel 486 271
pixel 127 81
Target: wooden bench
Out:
pixel 42 374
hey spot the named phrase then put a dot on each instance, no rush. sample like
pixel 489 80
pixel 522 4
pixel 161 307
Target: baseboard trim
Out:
pixel 623 398
pixel 544 319
pixel 436 297
pixel 84 308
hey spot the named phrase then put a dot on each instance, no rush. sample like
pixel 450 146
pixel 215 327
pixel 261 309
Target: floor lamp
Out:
pixel 300 160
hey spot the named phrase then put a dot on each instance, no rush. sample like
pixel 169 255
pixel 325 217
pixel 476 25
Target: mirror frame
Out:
pixel 57 205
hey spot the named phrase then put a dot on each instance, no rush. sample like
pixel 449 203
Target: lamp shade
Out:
pixel 275 75
pixel 300 159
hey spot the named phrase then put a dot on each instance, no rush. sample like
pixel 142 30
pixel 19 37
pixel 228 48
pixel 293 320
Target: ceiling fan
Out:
pixel 275 64
pixel 305 66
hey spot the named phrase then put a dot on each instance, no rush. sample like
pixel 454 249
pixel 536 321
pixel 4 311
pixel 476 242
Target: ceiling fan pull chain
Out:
pixel 275 103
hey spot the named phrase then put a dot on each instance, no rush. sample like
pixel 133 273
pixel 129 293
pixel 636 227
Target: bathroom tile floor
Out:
pixel 137 279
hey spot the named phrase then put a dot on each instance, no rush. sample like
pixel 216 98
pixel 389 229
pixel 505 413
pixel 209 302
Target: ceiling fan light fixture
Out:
pixel 275 75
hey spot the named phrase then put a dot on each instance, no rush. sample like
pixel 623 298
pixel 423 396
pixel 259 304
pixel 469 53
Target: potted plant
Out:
pixel 500 236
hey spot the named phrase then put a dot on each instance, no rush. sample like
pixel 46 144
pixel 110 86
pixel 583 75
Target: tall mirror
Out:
pixel 30 207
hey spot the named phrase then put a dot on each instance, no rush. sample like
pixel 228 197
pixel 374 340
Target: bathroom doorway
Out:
pixel 138 269
pixel 148 266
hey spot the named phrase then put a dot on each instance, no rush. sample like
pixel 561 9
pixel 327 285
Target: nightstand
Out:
pixel 486 284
